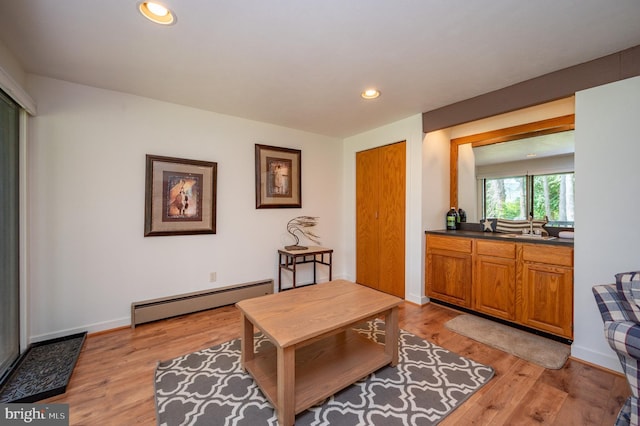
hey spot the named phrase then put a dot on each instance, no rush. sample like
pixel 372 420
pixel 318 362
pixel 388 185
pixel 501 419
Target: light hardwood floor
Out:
pixel 113 380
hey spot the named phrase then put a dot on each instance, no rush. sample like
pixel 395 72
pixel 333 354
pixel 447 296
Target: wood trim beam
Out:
pixel 543 127
pixel 546 88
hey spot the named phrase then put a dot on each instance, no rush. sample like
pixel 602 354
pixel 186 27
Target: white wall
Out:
pixel 435 180
pixel 607 204
pixel 409 130
pixel 88 258
pixel 10 67
pixel 467 183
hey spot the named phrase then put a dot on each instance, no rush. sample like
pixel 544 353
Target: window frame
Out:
pixel 10 337
pixel 530 194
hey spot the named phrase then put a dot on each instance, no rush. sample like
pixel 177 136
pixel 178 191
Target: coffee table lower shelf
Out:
pixel 322 368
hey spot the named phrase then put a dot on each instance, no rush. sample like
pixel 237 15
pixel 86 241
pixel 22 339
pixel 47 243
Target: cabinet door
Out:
pixel 494 290
pixel 547 298
pixel 449 276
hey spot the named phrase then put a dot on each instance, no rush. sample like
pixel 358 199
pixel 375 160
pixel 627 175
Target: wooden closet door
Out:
pixel 380 218
pixel 391 222
pixel 367 186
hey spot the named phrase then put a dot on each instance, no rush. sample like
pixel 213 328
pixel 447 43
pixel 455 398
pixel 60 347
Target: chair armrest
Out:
pixel 628 286
pixel 611 305
pixel 623 337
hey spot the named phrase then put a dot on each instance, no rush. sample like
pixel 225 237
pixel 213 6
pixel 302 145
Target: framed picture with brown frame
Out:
pixel 278 177
pixel 180 196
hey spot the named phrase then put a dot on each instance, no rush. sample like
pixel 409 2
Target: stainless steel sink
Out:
pixel 528 236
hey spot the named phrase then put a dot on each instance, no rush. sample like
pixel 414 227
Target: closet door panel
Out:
pixel 391 222
pixel 367 187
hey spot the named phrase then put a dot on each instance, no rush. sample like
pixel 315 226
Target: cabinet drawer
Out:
pixel 496 249
pixel 553 255
pixel 462 245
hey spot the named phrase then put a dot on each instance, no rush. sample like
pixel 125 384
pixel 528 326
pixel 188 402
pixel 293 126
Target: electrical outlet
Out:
pixel 213 276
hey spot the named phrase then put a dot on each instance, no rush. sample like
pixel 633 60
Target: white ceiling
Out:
pixel 302 63
pixel 551 145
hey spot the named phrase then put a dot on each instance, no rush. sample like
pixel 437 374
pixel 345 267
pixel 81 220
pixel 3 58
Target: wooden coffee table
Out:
pixel 315 353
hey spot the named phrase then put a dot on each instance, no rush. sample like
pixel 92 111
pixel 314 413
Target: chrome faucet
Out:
pixel 530 224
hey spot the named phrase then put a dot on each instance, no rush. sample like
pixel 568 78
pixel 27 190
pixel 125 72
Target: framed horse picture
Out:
pixel 180 196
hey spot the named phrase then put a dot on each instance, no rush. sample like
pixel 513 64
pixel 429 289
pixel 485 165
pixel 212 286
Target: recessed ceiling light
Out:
pixel 157 13
pixel 531 155
pixel 370 94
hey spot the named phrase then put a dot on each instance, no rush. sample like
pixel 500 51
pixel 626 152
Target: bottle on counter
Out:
pixel 463 215
pixel 452 219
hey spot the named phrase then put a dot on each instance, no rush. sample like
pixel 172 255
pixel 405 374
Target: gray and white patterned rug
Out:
pixel 208 387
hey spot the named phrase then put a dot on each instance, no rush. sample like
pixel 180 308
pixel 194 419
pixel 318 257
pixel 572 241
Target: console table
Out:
pixel 289 259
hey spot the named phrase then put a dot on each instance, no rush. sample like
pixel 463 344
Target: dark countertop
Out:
pixel 498 236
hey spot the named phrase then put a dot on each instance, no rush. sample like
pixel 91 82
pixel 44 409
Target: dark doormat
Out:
pixel 44 370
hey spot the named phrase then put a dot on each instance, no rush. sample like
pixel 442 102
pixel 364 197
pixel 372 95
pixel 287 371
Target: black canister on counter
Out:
pixel 452 219
pixel 463 215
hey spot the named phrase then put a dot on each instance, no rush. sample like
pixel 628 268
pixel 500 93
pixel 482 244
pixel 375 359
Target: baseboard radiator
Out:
pixel 167 307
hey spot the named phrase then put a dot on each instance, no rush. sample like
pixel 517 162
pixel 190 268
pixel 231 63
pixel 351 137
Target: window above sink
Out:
pixel 516 171
pixel 550 195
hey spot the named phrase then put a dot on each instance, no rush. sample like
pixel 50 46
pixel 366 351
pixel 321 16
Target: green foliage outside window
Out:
pixel 552 196
pixel 506 198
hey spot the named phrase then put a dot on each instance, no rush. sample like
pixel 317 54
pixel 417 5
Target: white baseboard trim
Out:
pixel 417 299
pixel 91 328
pixel 609 361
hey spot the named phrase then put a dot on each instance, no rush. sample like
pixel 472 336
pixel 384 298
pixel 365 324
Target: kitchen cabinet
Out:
pixel 547 289
pixel 449 275
pixel 529 284
pixel 495 279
